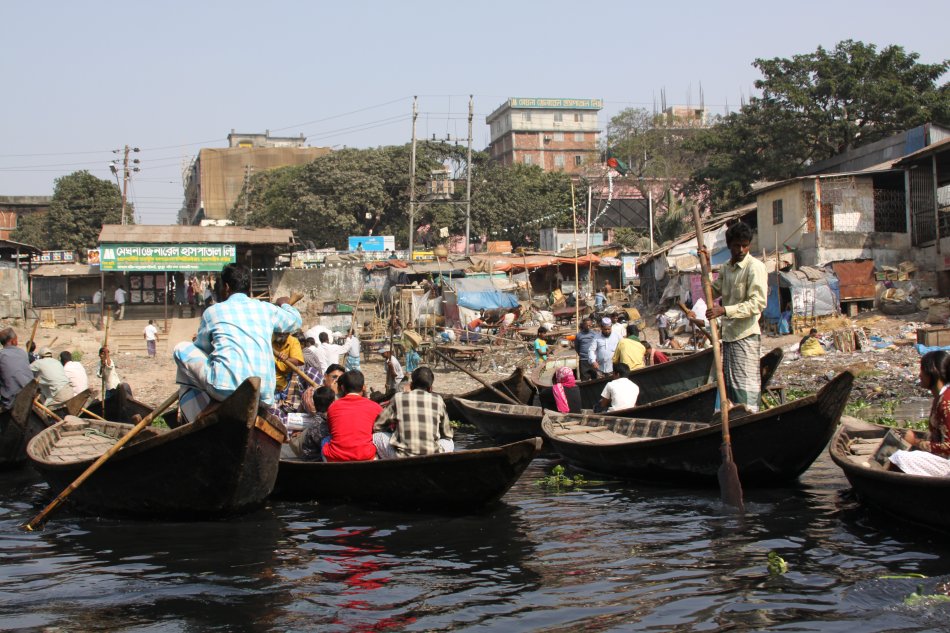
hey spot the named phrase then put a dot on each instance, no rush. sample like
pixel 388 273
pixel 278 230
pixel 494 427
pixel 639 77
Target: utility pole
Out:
pixel 126 173
pixel 468 179
pixel 248 171
pixel 412 175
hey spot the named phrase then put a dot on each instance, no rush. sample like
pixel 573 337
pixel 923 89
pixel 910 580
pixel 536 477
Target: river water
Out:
pixel 607 557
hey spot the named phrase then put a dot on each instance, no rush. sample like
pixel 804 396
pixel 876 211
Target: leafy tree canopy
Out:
pixel 81 204
pixel 814 106
pixel 353 191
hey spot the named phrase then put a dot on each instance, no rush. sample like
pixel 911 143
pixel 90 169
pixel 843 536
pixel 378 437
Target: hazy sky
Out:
pixel 80 79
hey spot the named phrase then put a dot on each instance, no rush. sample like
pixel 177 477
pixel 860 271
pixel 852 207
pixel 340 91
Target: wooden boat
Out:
pixel 656 381
pixel 913 498
pixel 20 423
pixel 461 481
pixel 517 385
pixel 770 448
pixel 220 464
pixel 510 422
pixel 122 407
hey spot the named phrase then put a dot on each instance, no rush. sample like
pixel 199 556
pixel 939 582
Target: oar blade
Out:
pixel 729 487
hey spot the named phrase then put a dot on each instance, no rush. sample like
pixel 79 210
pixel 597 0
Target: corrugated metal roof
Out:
pixel 65 270
pixel 181 234
pixel 933 148
pixel 28 248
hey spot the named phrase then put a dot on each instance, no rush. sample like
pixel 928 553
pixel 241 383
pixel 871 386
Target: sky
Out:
pixel 81 79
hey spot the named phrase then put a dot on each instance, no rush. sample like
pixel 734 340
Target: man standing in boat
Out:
pixel 602 350
pixel 233 344
pixel 582 344
pixel 743 286
pixel 415 422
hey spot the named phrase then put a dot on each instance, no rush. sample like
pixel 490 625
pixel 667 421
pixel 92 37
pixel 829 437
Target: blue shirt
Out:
pixel 582 342
pixel 236 336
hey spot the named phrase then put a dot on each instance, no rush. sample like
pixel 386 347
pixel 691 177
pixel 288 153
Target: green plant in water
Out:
pixel 160 423
pixel 777 565
pixel 557 479
pixel 77 355
pixel 795 394
pixel 919 598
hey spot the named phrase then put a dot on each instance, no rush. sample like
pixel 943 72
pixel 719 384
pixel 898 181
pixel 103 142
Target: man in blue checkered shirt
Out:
pixel 233 344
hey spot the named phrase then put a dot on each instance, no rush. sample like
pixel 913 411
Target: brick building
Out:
pixel 12 208
pixel 554 134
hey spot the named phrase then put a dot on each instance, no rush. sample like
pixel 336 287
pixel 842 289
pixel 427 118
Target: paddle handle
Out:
pixel 310 381
pixel 44 409
pixel 695 322
pixel 55 503
pixel 451 361
pixel 36 324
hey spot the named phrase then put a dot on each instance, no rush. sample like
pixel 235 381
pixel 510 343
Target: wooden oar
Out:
pixel 55 503
pixel 36 324
pixel 729 487
pixel 303 375
pixel 500 394
pixel 696 322
pixel 44 409
pixel 91 414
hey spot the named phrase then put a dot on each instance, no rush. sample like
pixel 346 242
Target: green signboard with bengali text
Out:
pixel 556 104
pixel 166 257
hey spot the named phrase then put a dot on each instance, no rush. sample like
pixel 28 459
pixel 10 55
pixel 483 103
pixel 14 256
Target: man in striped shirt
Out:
pixel 415 422
pixel 233 344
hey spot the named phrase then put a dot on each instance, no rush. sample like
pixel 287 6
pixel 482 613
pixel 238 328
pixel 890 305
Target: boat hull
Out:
pixel 461 481
pixel 223 463
pixel 911 498
pixel 769 448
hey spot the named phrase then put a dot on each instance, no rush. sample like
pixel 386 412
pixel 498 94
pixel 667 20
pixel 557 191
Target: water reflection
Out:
pixel 610 556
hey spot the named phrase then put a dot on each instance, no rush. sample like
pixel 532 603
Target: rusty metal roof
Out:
pixel 183 234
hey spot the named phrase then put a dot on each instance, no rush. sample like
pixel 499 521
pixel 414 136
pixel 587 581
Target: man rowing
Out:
pixel 233 344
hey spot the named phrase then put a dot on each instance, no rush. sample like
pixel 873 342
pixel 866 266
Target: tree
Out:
pixel 81 204
pixel 351 192
pixel 814 106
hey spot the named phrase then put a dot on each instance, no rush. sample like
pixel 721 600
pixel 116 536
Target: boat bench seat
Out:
pixel 594 435
pixel 862 452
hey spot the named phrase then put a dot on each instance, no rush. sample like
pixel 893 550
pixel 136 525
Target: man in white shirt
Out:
pixel 329 352
pixel 394 371
pixel 619 393
pixel 120 302
pixel 697 317
pixel 352 346
pixel 602 349
pixel 151 338
pixel 75 372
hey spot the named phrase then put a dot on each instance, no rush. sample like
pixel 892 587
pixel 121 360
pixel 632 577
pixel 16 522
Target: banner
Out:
pixel 166 257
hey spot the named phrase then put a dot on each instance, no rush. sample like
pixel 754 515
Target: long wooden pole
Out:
pixel 577 274
pixel 729 486
pixel 296 369
pixel 55 503
pixel 36 324
pixel 102 366
pixel 492 387
pixel 696 322
pixel 38 405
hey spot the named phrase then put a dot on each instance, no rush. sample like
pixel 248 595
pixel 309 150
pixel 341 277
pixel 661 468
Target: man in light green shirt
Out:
pixel 743 286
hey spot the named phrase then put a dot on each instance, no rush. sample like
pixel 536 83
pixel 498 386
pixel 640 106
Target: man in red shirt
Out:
pixel 351 419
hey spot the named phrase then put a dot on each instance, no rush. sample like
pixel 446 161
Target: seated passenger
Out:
pixel 564 395
pixel 54 383
pixel 414 422
pixel 308 443
pixel 15 372
pixel 619 393
pixel 351 419
pixel 653 356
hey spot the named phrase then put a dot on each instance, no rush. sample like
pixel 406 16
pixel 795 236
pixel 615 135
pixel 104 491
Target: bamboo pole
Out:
pixel 55 503
pixel 38 405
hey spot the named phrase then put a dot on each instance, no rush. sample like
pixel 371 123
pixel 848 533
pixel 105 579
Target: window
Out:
pixel 578 160
pixel 528 159
pixel 559 160
pixel 525 116
pixel 558 117
pixel 579 137
pixel 559 136
pixel 776 212
pixel 578 117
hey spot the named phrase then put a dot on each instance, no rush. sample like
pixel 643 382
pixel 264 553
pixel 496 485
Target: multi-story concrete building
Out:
pixel 554 134
pixel 216 178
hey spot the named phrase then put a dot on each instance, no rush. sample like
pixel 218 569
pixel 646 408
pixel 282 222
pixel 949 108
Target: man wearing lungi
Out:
pixel 742 284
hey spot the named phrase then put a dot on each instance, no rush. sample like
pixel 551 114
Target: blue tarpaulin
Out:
pixel 487 300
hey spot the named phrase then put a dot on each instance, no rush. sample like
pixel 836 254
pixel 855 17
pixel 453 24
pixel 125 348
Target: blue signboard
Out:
pixel 371 243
